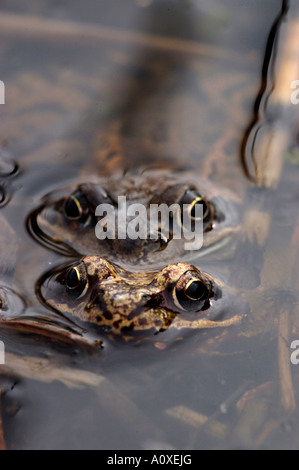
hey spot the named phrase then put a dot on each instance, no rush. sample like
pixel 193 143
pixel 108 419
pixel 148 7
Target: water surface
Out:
pixel 185 102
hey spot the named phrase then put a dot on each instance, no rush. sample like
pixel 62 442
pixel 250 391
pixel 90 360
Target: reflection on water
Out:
pixel 271 133
pixel 8 169
pixel 7 166
pixel 88 100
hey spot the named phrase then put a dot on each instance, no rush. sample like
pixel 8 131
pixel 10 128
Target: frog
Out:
pixel 135 305
pixel 66 220
pixel 15 318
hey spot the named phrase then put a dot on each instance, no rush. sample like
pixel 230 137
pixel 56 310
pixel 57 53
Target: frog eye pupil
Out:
pixel 195 290
pixel 73 278
pixel 72 208
pixel 192 293
pixel 199 202
pixel 192 201
pixel 77 282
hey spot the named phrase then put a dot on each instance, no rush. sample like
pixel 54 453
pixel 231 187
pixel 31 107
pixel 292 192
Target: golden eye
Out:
pixel 199 201
pixel 189 203
pixel 72 208
pixel 195 289
pixel 76 281
pixel 76 208
pixel 191 293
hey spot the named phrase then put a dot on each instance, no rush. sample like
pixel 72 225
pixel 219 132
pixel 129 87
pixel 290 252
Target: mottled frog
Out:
pixel 68 220
pixel 122 303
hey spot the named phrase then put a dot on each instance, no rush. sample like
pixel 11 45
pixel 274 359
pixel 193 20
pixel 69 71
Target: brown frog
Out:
pixel 16 322
pixel 67 221
pixel 127 305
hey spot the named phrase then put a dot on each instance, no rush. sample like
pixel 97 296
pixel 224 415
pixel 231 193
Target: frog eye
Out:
pixel 191 292
pixel 76 281
pixel 76 209
pixel 195 290
pixel 189 203
pixel 198 202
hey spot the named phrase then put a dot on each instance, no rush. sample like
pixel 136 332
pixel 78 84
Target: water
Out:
pixel 187 103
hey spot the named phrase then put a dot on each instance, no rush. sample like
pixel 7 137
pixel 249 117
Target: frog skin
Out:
pixel 66 221
pixel 126 304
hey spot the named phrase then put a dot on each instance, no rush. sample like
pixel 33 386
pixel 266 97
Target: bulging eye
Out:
pixel 201 203
pixel 190 203
pixel 192 292
pixel 195 290
pixel 76 281
pixel 72 208
pixel 76 209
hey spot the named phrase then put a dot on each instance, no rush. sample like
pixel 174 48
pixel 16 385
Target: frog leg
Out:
pixel 205 323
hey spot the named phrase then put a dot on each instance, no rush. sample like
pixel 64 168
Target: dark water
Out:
pixel 189 102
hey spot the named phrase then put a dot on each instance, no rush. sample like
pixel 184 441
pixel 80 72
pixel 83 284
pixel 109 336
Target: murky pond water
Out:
pixel 121 85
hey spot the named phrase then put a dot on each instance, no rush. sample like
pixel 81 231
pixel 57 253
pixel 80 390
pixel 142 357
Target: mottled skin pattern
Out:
pixel 52 225
pixel 127 304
